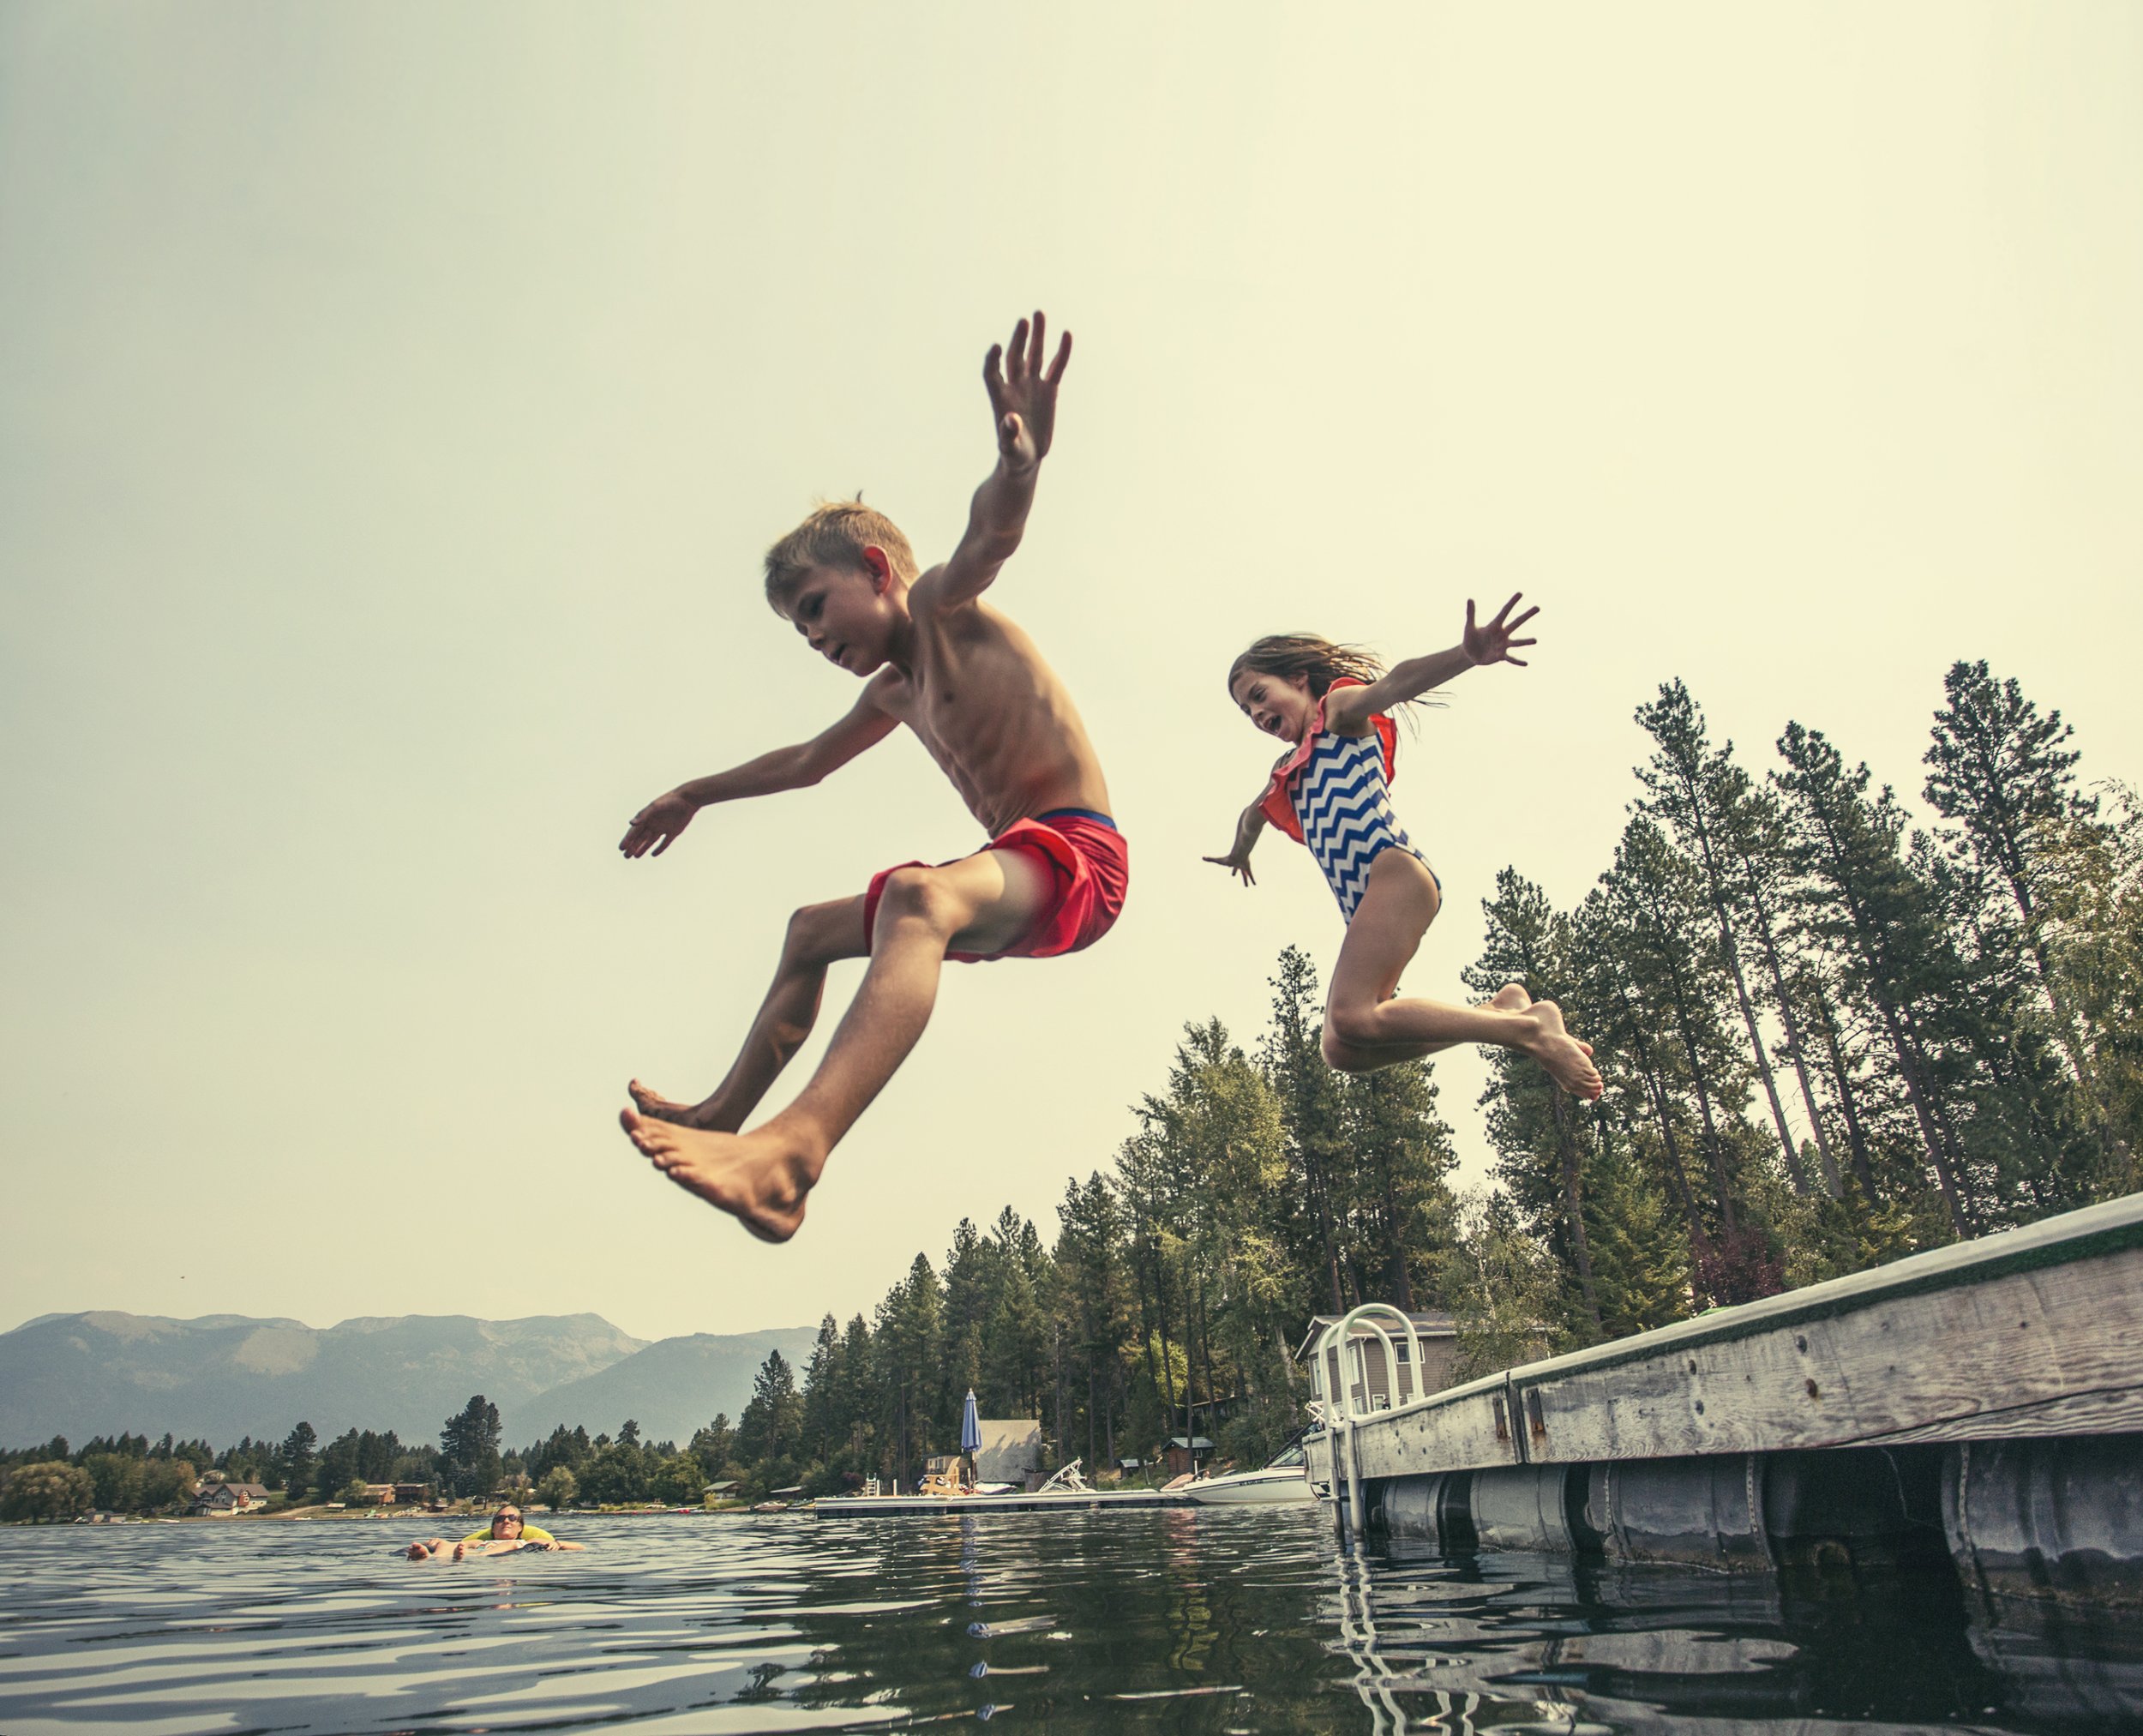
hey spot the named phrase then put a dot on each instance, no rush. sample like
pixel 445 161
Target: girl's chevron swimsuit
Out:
pixel 1343 804
pixel 1333 792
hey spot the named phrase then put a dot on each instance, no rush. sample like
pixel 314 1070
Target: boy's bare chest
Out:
pixel 971 702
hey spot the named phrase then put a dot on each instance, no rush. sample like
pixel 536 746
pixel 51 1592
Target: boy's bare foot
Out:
pixel 704 1115
pixel 759 1178
pixel 1510 998
pixel 1568 1062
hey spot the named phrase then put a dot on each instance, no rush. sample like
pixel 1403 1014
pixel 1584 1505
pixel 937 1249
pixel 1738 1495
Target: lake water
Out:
pixel 1171 1619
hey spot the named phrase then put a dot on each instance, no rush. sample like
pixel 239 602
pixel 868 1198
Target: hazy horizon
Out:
pixel 400 400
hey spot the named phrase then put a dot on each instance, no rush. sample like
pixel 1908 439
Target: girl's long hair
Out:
pixel 1290 654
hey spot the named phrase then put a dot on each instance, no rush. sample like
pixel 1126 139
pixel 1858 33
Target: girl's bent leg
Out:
pixel 1365 1027
pixel 1364 1058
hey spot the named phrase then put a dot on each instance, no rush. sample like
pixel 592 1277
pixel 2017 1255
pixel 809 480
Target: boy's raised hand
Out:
pixel 1494 642
pixel 1023 393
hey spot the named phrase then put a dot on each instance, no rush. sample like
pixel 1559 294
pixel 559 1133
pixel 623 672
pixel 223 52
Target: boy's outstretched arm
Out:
pixel 1023 399
pixel 658 825
pixel 1349 710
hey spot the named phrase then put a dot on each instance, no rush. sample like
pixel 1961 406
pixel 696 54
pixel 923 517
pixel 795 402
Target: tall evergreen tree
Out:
pixel 1702 796
pixel 1530 1119
pixel 1861 902
pixel 469 1448
pixel 1312 1126
pixel 771 1427
pixel 299 1459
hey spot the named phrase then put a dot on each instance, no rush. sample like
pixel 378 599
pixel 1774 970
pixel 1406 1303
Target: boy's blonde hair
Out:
pixel 835 535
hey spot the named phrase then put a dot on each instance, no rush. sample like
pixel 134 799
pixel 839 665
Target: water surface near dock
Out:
pixel 1177 1619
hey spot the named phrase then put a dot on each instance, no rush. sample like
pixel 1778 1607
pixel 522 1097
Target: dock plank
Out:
pixel 1977 1359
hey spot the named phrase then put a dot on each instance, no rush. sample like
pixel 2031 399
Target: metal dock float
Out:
pixel 1989 1393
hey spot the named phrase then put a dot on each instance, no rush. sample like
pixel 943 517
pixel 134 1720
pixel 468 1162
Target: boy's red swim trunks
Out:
pixel 1092 866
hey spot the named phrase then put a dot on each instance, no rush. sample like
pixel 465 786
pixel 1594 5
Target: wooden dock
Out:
pixel 1999 1381
pixel 2035 1332
pixel 891 1507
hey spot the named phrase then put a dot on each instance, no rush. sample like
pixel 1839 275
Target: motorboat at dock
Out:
pixel 1284 1478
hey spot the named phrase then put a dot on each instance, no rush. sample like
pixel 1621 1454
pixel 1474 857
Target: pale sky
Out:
pixel 398 399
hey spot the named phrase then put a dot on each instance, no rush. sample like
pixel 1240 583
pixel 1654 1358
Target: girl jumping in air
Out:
pixel 1332 703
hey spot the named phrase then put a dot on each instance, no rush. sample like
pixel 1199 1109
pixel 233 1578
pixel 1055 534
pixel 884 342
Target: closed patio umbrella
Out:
pixel 971 1432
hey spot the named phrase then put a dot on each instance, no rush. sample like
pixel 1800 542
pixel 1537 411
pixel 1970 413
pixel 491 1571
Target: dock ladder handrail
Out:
pixel 1339 1411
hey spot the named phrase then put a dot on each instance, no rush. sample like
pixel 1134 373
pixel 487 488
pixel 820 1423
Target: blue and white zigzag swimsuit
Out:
pixel 1344 805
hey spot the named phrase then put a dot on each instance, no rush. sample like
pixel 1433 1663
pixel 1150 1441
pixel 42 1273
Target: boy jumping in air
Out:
pixel 933 656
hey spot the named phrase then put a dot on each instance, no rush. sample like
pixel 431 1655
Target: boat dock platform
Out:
pixel 1056 1501
pixel 1990 1392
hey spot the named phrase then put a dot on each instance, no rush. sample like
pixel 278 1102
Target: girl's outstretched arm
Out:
pixel 1349 710
pixel 1248 827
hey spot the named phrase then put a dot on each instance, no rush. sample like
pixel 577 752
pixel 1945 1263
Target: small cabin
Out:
pixel 1438 1334
pixel 718 1494
pixel 1185 1453
pixel 379 1494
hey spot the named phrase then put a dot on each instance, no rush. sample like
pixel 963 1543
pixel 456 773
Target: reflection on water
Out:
pixel 1173 1620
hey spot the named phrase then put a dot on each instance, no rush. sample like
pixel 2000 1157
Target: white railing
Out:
pixel 1339 1415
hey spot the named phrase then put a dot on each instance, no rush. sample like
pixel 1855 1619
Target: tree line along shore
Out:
pixel 1832 1034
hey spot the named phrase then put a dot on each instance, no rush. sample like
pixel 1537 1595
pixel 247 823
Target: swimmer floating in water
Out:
pixel 502 1536
pixel 1330 703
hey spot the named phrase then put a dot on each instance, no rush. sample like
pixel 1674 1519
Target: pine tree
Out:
pixel 2090 903
pixel 825 1402
pixel 769 1432
pixel 1402 1153
pixel 2006 775
pixel 469 1448
pixel 299 1459
pixel 908 1344
pixel 1861 903
pixel 1651 893
pixel 1702 796
pixel 1310 1097
pixel 1530 1119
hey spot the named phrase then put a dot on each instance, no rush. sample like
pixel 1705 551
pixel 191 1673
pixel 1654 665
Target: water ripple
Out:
pixel 1174 1620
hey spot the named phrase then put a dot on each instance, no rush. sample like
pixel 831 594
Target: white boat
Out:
pixel 1286 1478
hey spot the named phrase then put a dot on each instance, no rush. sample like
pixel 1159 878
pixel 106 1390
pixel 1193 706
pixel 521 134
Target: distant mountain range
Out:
pixel 227 1375
pixel 670 1387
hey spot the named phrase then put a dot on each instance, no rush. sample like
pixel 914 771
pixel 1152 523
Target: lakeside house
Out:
pixel 221 1499
pixel 716 1494
pixel 397 1495
pixel 1439 1337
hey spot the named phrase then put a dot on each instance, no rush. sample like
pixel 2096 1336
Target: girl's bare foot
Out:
pixel 759 1178
pixel 1510 998
pixel 1568 1062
